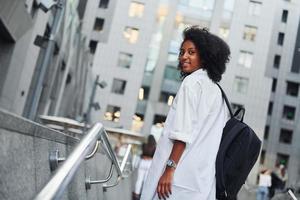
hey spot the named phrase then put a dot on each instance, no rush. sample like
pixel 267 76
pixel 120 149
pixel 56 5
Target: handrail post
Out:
pixel 123 164
pixel 111 153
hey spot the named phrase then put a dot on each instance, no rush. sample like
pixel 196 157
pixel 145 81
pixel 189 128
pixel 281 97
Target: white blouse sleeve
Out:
pixel 186 112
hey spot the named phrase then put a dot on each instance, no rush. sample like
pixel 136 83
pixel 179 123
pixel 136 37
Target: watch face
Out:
pixel 171 163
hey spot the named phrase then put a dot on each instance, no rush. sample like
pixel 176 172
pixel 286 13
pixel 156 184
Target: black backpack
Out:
pixel 238 152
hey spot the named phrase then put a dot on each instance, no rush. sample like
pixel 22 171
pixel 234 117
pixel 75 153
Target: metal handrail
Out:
pixel 94 151
pixel 290 192
pixel 110 152
pixel 126 156
pixel 58 183
pixel 88 180
pixel 123 164
pixel 55 158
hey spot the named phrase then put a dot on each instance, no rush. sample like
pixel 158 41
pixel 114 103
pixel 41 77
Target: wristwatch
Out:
pixel 171 163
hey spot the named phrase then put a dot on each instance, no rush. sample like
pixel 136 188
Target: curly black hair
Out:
pixel 213 51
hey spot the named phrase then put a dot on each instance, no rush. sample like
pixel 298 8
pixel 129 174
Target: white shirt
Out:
pixel 142 174
pixel 264 180
pixel 197 117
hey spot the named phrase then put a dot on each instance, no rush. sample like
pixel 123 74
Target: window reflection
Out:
pixel 245 59
pixel 136 9
pixel 250 33
pixel 131 34
pixel 124 60
pixel 254 8
pixel 113 113
pixel 241 84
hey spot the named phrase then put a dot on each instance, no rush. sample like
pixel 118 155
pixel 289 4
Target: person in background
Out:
pixel 148 150
pixel 279 179
pixel 263 185
pixel 282 175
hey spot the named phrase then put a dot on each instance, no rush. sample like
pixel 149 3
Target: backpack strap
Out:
pixel 226 101
pixel 237 112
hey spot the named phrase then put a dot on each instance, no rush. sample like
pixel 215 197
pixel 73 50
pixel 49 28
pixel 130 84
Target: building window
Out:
pixel 93 46
pixel 131 34
pixel 103 4
pixel 282 159
pixel 286 136
pixel 141 94
pixel 224 32
pixel 284 16
pixel 167 97
pixel 241 84
pixel 124 60
pixel 118 86
pixel 159 119
pixel 292 88
pixel 113 113
pixel 249 33
pixel 228 8
pixel 137 122
pixel 262 157
pixel 280 39
pixel 254 8
pixel 274 84
pixel 144 93
pixel 172 57
pixel 296 66
pixel 266 133
pixel 68 79
pixel 288 112
pixel 172 73
pixel 136 9
pixel 245 59
pixel 276 62
pixel 270 108
pixel 98 26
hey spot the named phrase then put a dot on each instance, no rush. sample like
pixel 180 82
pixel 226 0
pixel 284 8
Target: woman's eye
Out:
pixel 191 52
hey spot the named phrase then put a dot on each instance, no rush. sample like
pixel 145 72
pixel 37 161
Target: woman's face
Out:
pixel 189 60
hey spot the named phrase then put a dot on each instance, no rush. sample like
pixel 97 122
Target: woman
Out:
pixel 183 167
pixel 148 150
pixel 264 183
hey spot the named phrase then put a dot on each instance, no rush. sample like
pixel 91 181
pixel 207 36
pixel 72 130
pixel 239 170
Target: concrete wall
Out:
pixel 18 55
pixel 24 166
pixel 14 18
pixel 5 56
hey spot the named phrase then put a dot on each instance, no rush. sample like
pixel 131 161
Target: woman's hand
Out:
pixel 164 187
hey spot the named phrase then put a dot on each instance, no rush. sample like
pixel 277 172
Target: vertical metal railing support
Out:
pixel 111 154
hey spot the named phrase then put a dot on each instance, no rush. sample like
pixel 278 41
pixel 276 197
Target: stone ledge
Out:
pixel 13 122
